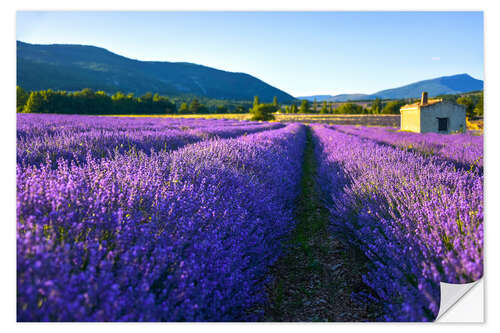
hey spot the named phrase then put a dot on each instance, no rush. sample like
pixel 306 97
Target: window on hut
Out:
pixel 443 124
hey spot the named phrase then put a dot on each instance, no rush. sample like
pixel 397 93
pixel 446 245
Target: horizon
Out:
pixel 231 49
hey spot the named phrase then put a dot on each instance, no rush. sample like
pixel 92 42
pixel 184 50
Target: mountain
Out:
pixel 455 84
pixel 74 67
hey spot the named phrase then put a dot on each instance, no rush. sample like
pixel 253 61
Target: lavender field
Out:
pixel 161 219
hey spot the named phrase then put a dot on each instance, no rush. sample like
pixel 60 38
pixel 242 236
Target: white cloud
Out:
pixel 436 58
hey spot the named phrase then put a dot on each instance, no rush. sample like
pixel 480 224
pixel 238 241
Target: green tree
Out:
pixel 146 103
pixel 194 107
pixel 240 109
pixel 21 98
pixel 376 106
pixel 102 103
pixel 263 112
pixel 183 108
pixel 221 109
pixel 448 98
pixel 203 109
pixel 275 101
pixel 35 103
pixel 468 103
pixel 87 101
pixel 162 105
pixel 122 104
pixel 393 107
pixel 256 101
pixel 315 106
pixel 293 108
pixel 479 108
pixel 350 108
pixel 304 106
pixel 324 108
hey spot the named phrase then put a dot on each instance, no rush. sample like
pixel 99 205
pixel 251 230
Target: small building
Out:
pixel 433 115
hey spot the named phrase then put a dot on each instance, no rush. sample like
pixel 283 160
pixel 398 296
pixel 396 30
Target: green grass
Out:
pixel 315 278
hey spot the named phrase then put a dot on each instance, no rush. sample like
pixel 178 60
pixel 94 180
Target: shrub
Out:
pixel 263 112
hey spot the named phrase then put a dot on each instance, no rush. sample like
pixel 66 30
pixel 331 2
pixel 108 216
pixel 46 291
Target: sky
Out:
pixel 302 53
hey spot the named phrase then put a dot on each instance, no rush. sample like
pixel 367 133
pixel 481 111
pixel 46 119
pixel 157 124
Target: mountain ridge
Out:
pixel 75 67
pixel 451 84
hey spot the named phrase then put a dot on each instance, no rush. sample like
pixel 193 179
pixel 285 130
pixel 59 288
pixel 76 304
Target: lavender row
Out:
pixel 40 124
pixel 181 236
pixel 464 150
pixel 418 221
pixel 75 137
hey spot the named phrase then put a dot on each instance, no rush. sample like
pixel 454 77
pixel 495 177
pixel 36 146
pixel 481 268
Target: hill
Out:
pixel 455 84
pixel 75 67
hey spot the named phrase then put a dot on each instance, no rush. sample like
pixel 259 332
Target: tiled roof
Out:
pixel 418 104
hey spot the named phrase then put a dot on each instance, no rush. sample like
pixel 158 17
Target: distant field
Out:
pixel 338 119
pixel 237 116
pixel 389 120
pixel 343 119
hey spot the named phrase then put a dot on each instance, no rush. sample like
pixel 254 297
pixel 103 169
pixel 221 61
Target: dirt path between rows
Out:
pixel 315 279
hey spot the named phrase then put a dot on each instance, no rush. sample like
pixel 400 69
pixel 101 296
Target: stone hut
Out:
pixel 433 115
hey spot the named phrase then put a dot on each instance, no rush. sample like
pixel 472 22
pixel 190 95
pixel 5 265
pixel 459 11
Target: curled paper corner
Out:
pixel 459 304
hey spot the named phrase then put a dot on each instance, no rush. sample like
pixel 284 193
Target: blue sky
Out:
pixel 302 53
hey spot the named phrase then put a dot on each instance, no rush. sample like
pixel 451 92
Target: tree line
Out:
pixel 264 111
pixel 87 101
pixel 376 107
pixel 472 102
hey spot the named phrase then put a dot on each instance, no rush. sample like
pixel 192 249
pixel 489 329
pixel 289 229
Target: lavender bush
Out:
pixel 74 137
pixel 418 220
pixel 463 150
pixel 184 235
pixel 142 219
